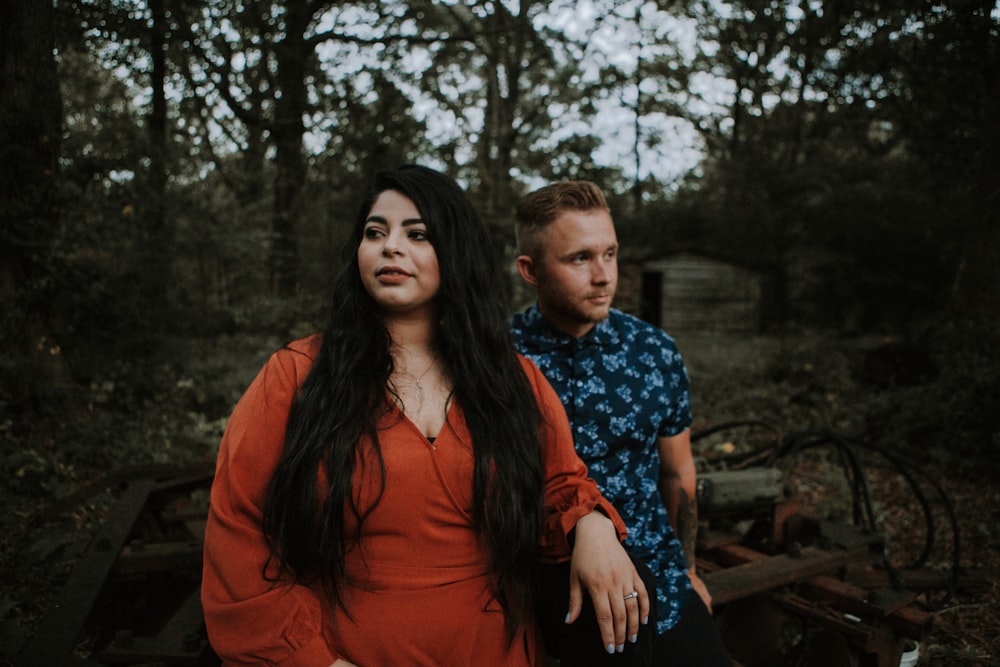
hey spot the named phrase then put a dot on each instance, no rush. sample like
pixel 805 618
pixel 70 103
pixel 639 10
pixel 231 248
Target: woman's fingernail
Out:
pixel 645 620
pixel 611 648
pixel 621 647
pixel 566 620
pixel 634 638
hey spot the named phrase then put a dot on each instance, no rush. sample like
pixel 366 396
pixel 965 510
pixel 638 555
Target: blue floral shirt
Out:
pixel 623 385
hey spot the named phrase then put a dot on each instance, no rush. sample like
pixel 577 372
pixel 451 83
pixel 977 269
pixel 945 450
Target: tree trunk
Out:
pixel 158 238
pixel 288 130
pixel 976 289
pixel 30 121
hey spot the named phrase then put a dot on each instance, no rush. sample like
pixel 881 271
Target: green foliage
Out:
pixel 853 155
pixel 849 149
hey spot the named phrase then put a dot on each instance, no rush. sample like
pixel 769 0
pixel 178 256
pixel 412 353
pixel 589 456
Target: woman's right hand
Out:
pixel 601 565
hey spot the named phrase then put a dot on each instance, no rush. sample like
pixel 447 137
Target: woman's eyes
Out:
pixel 412 234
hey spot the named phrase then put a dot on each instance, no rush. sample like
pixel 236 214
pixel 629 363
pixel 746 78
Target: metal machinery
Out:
pixel 791 590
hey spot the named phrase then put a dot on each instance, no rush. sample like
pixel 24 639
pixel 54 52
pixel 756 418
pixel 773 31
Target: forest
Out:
pixel 176 177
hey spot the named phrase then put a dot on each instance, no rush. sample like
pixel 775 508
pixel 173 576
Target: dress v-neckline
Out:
pixel 429 439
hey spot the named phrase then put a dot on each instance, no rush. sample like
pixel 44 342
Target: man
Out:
pixel 625 389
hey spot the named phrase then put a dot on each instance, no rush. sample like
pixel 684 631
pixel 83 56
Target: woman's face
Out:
pixel 398 265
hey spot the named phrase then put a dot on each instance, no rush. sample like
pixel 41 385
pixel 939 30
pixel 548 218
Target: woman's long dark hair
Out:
pixel 344 396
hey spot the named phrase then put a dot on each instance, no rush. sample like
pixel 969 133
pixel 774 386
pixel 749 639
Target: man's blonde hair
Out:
pixel 539 209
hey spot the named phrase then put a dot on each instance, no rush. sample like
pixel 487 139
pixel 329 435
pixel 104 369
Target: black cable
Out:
pixel 790 444
pixel 860 494
pixel 862 490
pixel 904 467
pixel 956 566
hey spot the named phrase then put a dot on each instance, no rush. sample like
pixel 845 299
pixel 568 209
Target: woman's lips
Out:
pixel 392 275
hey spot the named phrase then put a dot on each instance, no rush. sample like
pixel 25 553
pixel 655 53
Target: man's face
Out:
pixel 576 271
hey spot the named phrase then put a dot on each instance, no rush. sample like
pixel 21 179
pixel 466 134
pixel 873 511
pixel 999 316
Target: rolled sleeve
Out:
pixel 570 493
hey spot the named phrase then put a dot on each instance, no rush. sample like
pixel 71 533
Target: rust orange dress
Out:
pixel 420 592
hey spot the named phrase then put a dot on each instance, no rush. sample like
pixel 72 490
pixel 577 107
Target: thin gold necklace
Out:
pixel 420 388
pixel 419 396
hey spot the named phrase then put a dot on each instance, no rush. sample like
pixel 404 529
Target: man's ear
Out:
pixel 526 267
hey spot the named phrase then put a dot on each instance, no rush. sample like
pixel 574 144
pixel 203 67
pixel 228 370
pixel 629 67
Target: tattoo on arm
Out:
pixel 687 525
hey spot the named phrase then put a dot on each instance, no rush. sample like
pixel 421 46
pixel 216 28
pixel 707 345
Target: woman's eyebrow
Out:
pixel 382 220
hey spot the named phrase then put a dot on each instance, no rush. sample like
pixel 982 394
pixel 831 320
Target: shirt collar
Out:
pixel 548 337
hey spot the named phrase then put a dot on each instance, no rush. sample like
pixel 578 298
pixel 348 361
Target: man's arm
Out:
pixel 677 485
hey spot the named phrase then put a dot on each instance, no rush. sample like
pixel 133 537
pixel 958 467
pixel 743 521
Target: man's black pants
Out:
pixel 694 641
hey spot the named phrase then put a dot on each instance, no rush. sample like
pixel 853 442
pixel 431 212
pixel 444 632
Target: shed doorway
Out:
pixel 651 297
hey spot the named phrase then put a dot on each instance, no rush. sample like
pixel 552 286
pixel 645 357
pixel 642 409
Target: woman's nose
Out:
pixel 391 245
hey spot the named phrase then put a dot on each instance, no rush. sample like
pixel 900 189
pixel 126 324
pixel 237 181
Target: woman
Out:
pixel 384 490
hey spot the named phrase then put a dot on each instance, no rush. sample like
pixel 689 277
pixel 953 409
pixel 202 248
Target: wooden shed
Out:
pixel 693 290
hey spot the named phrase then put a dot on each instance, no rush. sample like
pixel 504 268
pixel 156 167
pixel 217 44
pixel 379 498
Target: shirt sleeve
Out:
pixel 678 392
pixel 251 620
pixel 570 493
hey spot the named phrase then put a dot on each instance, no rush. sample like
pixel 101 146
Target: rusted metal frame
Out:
pixel 891 606
pixel 899 614
pixel 179 642
pixel 760 573
pixel 150 472
pixel 748 571
pixel 106 556
pixel 56 637
pixel 926 579
pixel 875 623
pixel 875 641
pixel 139 557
